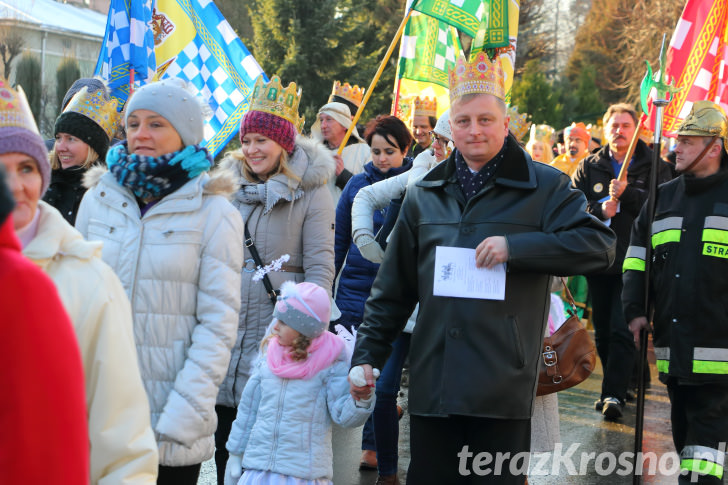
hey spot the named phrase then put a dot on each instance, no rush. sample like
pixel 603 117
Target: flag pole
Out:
pixel 660 82
pixel 368 93
pixel 395 109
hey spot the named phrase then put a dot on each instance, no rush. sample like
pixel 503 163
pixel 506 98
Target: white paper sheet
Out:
pixel 456 276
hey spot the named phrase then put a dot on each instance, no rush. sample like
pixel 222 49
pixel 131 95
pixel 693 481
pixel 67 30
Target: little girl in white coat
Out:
pixel 282 432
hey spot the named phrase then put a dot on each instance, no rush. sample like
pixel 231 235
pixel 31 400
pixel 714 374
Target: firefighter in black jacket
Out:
pixel 689 287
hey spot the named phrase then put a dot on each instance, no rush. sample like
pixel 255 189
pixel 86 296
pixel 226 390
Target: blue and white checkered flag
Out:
pixel 188 39
pixel 128 46
pixel 213 59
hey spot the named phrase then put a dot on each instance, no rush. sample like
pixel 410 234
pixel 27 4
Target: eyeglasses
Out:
pixel 439 139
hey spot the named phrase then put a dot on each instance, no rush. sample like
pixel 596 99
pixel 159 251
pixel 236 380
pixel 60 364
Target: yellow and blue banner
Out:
pixel 194 42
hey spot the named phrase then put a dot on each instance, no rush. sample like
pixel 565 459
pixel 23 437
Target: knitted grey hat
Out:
pixel 174 103
pixel 305 307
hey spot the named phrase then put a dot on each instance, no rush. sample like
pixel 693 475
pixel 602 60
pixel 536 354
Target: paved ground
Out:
pixel 583 430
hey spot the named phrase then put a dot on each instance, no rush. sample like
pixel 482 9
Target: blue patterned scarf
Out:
pixel 155 177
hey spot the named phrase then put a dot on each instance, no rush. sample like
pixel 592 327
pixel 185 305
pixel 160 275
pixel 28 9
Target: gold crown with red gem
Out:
pixel 481 76
pixel 518 123
pixel 425 106
pixel 14 108
pixel 270 97
pixel 353 94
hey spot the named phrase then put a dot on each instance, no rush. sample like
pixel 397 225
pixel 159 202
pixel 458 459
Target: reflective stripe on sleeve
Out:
pixel 634 259
pixel 662 354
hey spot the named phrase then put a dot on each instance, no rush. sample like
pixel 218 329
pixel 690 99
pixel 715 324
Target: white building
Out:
pixel 54 30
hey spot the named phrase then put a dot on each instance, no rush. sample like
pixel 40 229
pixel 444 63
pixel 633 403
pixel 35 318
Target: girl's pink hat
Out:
pixel 305 307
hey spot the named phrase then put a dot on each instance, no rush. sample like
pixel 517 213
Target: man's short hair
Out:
pixel 468 97
pixel 620 108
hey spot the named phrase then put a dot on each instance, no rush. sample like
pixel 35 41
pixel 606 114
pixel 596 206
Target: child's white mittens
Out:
pixel 356 376
pixel 234 469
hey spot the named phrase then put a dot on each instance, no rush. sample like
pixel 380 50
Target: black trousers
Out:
pixel 614 341
pixel 699 416
pixel 225 418
pixel 179 475
pixel 468 450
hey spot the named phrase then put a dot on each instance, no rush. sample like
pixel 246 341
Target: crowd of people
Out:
pixel 173 310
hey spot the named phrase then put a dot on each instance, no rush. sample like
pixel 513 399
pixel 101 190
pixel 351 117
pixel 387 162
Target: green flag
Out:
pixel 428 51
pixel 468 16
pixel 464 15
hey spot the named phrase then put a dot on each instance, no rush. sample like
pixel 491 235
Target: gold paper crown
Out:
pixel 271 98
pixel 542 133
pixel 518 123
pixel 353 94
pixel 96 106
pixel 478 77
pixel 596 131
pixel 425 106
pixel 14 108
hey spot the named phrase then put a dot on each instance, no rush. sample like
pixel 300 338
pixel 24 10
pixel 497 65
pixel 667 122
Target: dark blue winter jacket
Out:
pixel 357 273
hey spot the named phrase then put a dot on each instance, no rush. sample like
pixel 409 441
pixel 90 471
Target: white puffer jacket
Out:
pixel 180 266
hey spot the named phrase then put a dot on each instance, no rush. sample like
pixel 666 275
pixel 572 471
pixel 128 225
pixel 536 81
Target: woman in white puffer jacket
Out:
pixel 175 242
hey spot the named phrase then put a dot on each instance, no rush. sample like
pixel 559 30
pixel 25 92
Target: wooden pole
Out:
pixel 395 108
pixel 630 151
pixel 364 101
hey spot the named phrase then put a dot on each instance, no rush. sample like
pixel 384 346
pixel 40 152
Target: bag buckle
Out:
pixel 550 358
pixel 248 242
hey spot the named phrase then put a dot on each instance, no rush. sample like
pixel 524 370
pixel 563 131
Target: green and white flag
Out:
pixel 428 50
pixel 464 15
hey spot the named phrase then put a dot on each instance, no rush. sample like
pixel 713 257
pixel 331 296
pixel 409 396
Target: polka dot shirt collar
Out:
pixel 471 183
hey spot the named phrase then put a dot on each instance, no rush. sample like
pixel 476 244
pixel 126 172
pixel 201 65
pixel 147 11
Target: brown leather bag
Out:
pixel 568 356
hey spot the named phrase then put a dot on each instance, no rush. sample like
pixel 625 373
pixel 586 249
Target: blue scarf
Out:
pixel 156 177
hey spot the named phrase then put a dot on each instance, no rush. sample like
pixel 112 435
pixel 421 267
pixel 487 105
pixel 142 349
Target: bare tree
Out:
pixel 11 45
pixel 640 40
pixel 535 38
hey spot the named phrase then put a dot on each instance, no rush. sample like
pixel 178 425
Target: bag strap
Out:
pixel 272 294
pixel 569 298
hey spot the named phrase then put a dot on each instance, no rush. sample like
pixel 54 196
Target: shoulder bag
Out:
pixel 568 356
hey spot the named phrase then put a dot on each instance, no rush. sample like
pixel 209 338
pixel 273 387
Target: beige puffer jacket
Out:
pixel 122 444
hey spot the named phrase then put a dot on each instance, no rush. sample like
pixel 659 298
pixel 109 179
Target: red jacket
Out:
pixel 44 436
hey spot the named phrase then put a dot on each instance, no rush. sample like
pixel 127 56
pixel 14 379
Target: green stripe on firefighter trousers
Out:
pixel 635 264
pixel 671 235
pixel 703 467
pixel 663 366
